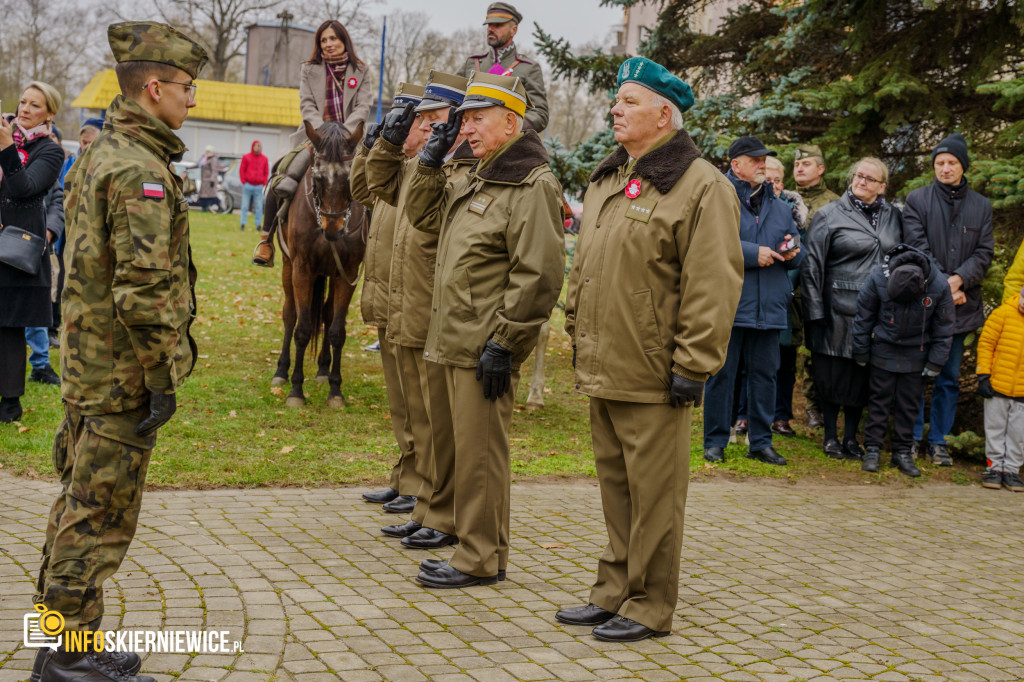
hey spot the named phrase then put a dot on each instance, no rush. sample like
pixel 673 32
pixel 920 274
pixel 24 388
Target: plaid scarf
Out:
pixel 22 136
pixel 335 105
pixel 872 210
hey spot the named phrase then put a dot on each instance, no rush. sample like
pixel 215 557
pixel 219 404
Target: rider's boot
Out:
pixel 280 190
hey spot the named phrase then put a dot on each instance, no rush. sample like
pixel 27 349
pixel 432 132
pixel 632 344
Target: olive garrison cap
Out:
pixel 443 90
pixel 492 90
pixel 656 77
pixel 809 151
pixel 148 41
pixel 501 13
pixel 407 93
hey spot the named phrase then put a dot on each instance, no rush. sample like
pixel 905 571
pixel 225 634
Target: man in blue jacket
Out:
pixel 766 223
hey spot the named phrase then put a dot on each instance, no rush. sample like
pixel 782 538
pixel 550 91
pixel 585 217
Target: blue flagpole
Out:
pixel 380 80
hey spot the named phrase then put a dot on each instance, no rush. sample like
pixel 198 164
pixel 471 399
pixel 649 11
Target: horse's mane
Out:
pixel 334 143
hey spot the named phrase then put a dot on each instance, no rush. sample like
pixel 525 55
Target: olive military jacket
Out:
pixel 501 254
pixel 379 239
pixel 656 279
pixel 129 294
pixel 815 197
pixel 523 67
pixel 415 253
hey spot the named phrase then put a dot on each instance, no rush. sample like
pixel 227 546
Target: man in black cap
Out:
pixel 503 59
pixel 953 225
pixel 766 231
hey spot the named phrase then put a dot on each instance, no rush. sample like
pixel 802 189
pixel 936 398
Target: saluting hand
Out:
pixel 373 131
pixel 441 140
pixel 397 124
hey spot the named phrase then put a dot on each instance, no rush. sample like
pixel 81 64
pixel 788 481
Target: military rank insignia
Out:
pixel 479 203
pixel 152 190
pixel 633 188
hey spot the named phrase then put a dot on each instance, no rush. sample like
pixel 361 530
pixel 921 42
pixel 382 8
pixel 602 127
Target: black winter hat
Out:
pixel 956 145
pixel 906 282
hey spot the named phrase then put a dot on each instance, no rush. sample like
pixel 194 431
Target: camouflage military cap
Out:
pixel 809 151
pixel 148 41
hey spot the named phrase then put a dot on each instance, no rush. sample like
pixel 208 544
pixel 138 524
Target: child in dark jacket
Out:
pixel 904 328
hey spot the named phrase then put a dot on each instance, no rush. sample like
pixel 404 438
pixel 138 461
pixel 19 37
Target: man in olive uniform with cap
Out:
pixel 128 304
pixel 650 320
pixel 504 59
pixel 809 174
pixel 500 261
pixel 411 288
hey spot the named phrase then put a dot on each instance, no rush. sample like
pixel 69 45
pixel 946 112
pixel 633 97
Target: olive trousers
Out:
pixel 404 478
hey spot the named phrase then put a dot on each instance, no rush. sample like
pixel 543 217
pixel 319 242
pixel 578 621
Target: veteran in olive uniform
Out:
pixel 128 303
pixel 652 295
pixel 500 259
pixel 406 480
pixel 504 58
pixel 432 524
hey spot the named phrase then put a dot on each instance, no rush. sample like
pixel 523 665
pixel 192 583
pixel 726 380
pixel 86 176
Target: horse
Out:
pixel 322 243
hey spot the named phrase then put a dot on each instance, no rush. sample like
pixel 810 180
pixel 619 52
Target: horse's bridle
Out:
pixel 346 231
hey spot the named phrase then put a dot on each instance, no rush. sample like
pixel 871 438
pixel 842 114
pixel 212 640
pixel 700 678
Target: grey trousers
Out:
pixel 1004 435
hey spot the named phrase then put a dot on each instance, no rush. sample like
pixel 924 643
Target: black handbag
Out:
pixel 20 249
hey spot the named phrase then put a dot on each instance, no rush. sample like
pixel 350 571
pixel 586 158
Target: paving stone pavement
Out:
pixel 778 583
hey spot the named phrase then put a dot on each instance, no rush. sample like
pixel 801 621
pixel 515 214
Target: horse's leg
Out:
pixel 323 361
pixel 303 289
pixel 342 294
pixel 536 398
pixel 288 316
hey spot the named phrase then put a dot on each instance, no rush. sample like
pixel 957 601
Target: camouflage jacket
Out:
pixel 129 297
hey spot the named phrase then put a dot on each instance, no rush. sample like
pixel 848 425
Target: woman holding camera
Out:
pixel 30 164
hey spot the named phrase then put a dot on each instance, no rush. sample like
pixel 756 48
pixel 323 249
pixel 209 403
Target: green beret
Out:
pixel 809 151
pixel 656 77
pixel 148 41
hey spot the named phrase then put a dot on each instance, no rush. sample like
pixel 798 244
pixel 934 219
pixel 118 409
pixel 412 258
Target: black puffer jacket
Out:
pixel 24 298
pixel 955 229
pixel 842 249
pixel 904 337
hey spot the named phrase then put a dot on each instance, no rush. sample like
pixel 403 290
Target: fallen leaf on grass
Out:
pixel 553 545
pixel 23 429
pixel 232 413
pixel 286 449
pixel 277 390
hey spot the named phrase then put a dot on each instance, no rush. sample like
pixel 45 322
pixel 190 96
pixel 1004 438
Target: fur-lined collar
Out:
pixel 662 167
pixel 518 160
pixel 463 152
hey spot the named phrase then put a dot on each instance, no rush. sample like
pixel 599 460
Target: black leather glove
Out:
pixel 495 369
pixel 373 131
pixel 397 124
pixel 161 409
pixel 985 389
pixel 574 357
pixel 441 140
pixel 684 391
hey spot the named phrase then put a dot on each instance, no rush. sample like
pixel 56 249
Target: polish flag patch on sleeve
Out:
pixel 152 190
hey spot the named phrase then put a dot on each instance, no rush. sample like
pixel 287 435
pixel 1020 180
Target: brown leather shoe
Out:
pixel 264 254
pixel 782 427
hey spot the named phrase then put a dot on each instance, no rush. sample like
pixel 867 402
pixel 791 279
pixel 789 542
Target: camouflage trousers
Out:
pixel 102 466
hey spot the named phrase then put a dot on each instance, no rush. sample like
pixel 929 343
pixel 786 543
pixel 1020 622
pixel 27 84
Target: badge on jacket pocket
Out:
pixel 641 209
pixel 480 202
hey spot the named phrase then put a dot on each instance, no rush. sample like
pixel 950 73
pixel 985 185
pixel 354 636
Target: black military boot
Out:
pixel 65 666
pixel 904 461
pixel 870 460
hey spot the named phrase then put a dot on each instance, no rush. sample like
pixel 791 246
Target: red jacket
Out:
pixel 254 170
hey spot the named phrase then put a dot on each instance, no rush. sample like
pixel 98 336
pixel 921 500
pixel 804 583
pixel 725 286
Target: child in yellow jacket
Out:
pixel 1001 384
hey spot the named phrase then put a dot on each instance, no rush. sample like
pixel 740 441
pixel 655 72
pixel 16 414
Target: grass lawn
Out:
pixel 232 429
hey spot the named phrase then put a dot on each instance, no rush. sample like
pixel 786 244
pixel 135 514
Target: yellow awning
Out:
pixel 215 101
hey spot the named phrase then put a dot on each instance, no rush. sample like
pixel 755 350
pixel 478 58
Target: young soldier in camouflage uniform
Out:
pixel 125 346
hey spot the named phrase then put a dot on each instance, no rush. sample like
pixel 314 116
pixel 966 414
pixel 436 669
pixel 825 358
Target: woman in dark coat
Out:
pixel 846 240
pixel 30 164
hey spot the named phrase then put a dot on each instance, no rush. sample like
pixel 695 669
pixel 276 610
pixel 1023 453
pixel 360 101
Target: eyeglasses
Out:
pixel 866 179
pixel 190 88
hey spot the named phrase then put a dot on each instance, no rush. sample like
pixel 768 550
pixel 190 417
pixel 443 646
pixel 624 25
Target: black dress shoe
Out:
pixel 870 460
pixel 832 448
pixel 904 461
pixel 447 577
pixel 768 456
pixel 380 496
pixel 402 531
pixel 591 614
pixel 620 629
pixel 714 455
pixel 852 450
pixel 428 538
pixel 10 410
pixel 434 564
pixel 403 504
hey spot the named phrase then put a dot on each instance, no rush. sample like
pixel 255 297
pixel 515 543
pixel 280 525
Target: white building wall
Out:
pixel 232 138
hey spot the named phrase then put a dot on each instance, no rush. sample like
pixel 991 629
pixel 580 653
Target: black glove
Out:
pixel 495 368
pixel 441 140
pixel 397 124
pixel 985 389
pixel 372 133
pixel 574 357
pixel 161 409
pixel 685 391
